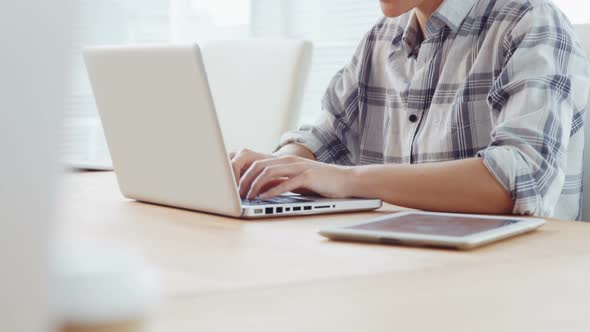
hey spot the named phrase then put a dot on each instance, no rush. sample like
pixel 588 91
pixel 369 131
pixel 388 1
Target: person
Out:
pixel 469 106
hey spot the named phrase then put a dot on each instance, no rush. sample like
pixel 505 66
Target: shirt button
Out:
pixel 413 118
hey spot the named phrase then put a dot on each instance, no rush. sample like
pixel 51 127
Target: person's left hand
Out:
pixel 271 177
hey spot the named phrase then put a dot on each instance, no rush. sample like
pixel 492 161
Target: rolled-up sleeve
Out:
pixel 334 135
pixel 543 86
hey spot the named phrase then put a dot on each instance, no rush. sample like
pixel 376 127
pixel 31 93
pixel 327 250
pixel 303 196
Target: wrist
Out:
pixel 294 149
pixel 353 181
pixel 366 181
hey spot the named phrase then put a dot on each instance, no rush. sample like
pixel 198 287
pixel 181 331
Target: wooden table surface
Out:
pixel 222 274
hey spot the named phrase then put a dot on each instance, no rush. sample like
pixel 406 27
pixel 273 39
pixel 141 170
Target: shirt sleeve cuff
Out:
pixel 512 172
pixel 303 138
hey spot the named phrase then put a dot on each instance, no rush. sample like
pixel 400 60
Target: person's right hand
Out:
pixel 242 160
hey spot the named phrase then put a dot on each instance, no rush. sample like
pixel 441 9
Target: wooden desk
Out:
pixel 223 273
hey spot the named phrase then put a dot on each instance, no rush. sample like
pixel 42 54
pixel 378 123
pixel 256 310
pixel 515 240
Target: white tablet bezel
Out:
pixel 458 242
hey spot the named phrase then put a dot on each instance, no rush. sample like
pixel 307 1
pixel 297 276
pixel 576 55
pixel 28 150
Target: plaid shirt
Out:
pixel 502 80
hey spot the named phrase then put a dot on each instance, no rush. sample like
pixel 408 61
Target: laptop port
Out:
pixel 297 208
pixel 307 208
pixel 268 211
pixel 258 211
pixel 322 207
pixel 287 209
pixel 279 210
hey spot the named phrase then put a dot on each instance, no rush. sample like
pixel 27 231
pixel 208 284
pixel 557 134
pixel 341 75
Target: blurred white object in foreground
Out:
pixel 35 39
pixel 105 288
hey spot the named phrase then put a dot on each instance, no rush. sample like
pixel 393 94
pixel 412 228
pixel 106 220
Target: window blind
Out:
pixel 135 22
pixel 334 26
pixel 103 22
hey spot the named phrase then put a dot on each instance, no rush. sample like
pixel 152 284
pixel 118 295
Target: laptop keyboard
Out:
pixel 277 200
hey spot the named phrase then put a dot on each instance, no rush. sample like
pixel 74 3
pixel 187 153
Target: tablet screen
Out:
pixel 443 225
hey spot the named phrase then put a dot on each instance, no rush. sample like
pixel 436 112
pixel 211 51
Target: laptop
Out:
pixel 165 140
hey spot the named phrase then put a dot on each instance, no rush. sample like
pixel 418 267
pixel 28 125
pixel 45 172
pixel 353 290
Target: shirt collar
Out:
pixel 412 37
pixel 451 14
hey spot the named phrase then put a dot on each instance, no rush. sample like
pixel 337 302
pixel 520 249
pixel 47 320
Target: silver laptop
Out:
pixel 165 141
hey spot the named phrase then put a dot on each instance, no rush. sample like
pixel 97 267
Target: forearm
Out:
pixel 294 149
pixel 464 186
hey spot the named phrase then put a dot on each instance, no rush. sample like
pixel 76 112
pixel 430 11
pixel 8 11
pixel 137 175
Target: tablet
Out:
pixel 459 231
